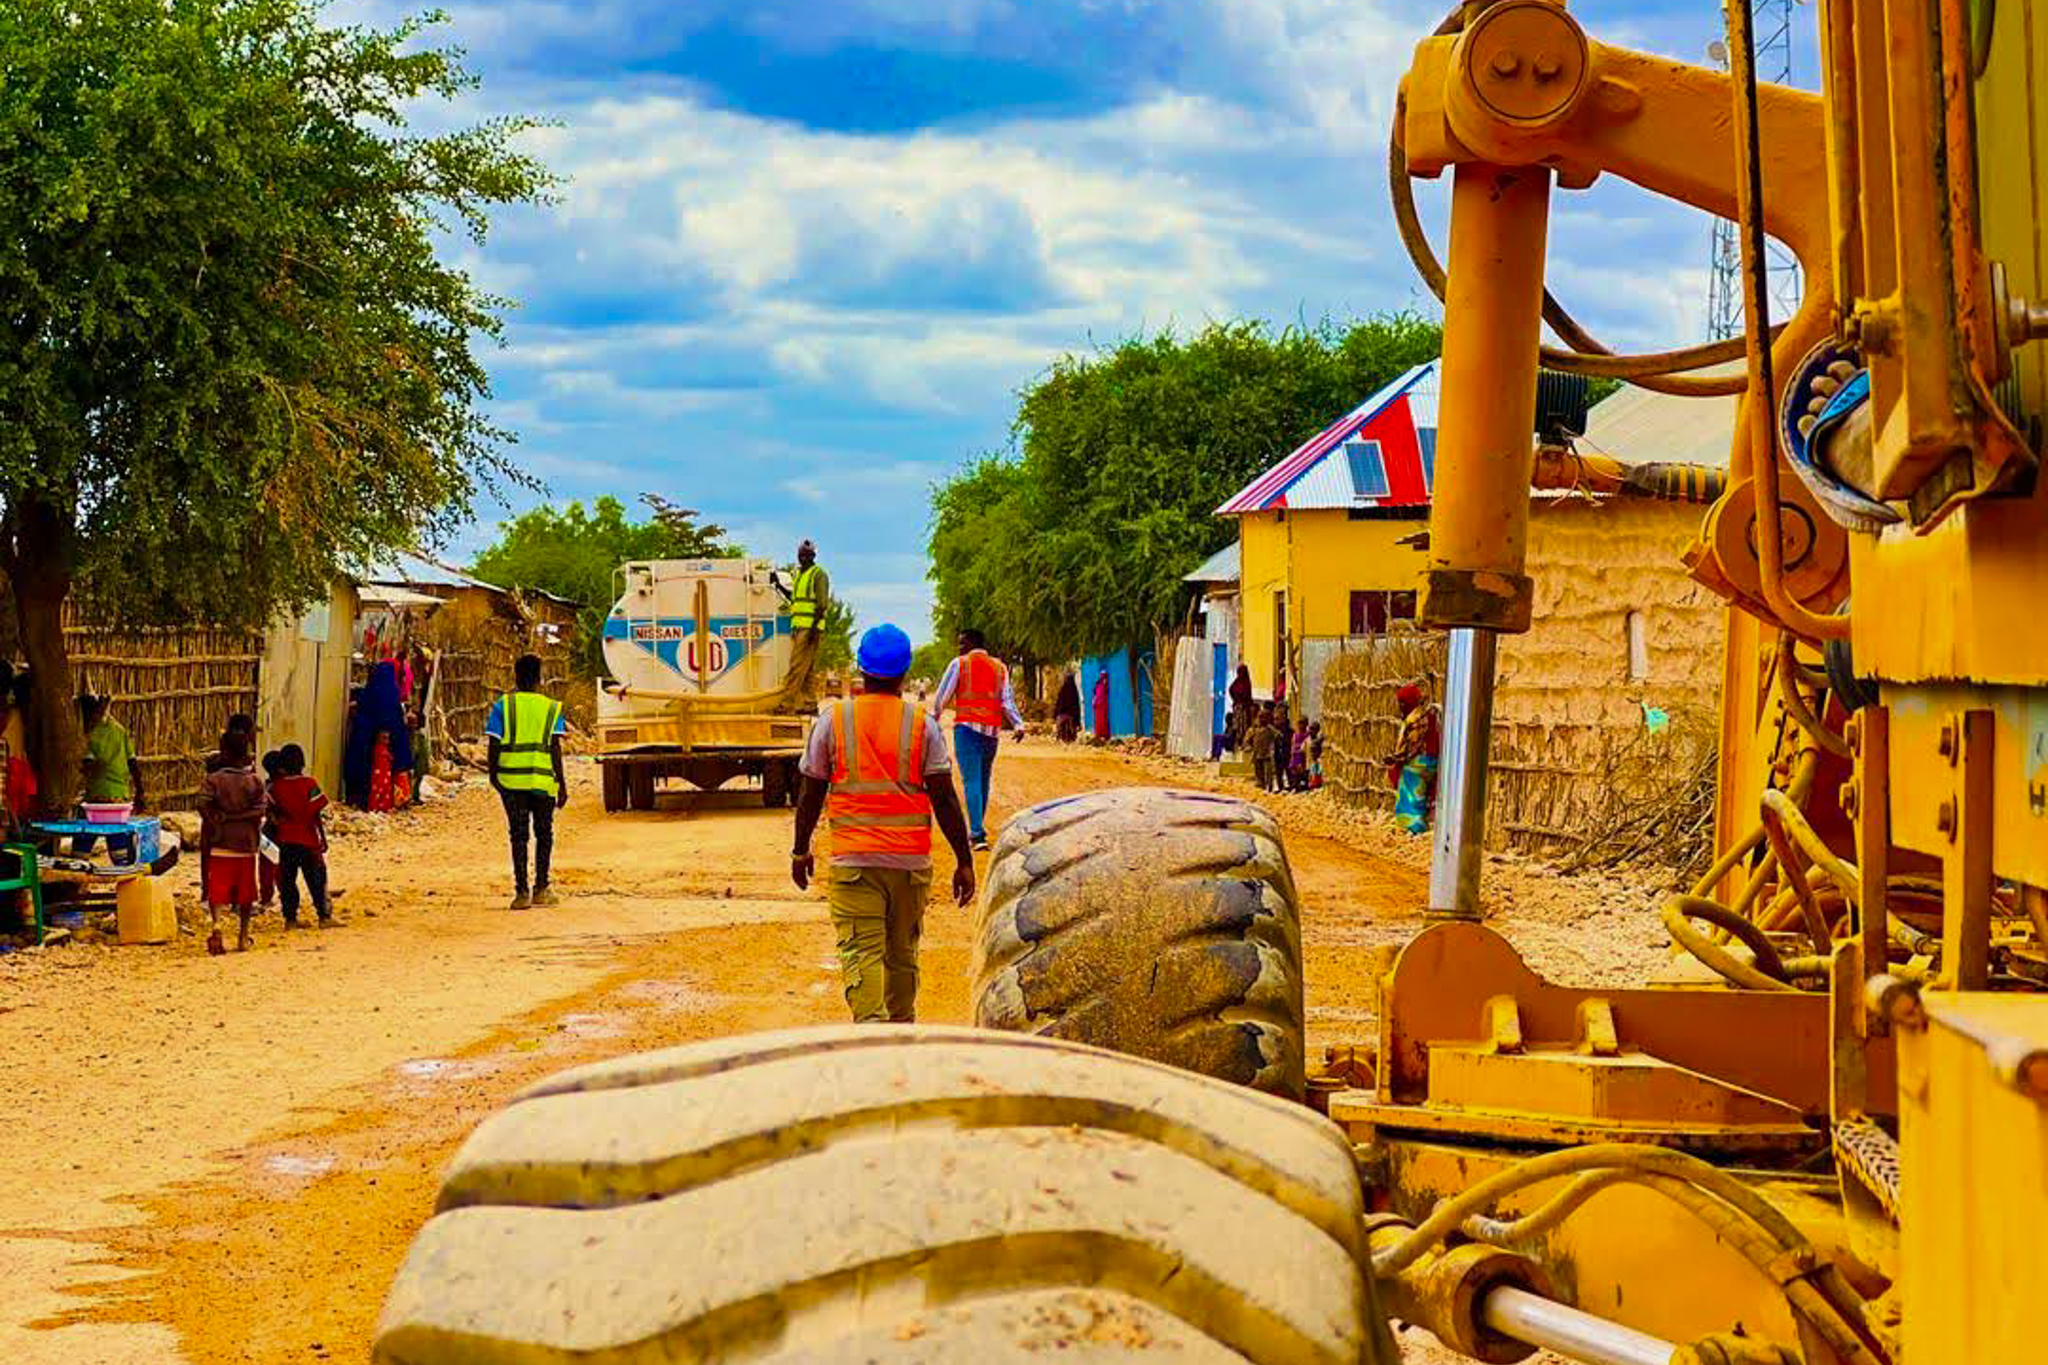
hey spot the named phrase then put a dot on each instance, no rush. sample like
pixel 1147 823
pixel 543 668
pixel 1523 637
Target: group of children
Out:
pixel 259 834
pixel 1284 757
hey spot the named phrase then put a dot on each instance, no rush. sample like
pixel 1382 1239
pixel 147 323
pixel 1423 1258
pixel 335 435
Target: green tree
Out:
pixel 928 664
pixel 1074 541
pixel 574 553
pixel 835 650
pixel 233 361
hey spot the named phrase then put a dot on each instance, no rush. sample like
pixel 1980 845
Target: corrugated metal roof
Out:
pixel 1637 426
pixel 385 595
pixel 407 569
pixel 1327 483
pixel 1225 566
pixel 1316 473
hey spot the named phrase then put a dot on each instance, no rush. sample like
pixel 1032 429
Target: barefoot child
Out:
pixel 295 803
pixel 232 804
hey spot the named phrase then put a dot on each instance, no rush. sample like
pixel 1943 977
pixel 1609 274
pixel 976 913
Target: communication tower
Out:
pixel 1773 23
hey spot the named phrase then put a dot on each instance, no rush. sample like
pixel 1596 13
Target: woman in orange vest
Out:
pixel 877 765
pixel 977 687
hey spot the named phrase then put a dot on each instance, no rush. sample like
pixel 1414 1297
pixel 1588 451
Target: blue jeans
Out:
pixel 975 754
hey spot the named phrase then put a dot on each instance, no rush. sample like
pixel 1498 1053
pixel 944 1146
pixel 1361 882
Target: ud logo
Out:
pixel 715 655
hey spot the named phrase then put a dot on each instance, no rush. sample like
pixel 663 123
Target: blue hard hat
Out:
pixel 884 652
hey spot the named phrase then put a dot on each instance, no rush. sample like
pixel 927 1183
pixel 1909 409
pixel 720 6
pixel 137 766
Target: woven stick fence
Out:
pixel 173 689
pixel 1359 718
pixel 1587 795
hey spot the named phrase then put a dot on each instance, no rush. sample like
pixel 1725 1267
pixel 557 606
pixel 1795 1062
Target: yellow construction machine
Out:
pixel 1830 1149
pixel 1863 1114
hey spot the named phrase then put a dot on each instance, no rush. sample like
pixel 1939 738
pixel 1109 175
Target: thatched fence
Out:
pixel 1359 718
pixel 173 689
pixel 1584 794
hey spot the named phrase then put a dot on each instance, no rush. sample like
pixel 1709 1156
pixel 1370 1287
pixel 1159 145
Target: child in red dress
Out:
pixel 232 804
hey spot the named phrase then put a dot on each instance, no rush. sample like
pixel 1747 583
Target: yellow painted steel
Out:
pixel 1478 537
pixel 1912 846
pixel 785 734
pixel 1974 1180
pixel 1628 1255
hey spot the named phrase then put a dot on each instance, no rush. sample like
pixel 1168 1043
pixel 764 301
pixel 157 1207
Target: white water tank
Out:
pixel 713 627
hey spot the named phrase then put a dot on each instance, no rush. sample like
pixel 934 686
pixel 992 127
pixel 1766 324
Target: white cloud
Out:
pixel 713 279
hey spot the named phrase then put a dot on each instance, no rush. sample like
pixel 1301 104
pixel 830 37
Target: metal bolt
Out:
pixel 1945 818
pixel 1853 732
pixel 1948 740
pixel 1506 63
pixel 1847 797
pixel 1548 66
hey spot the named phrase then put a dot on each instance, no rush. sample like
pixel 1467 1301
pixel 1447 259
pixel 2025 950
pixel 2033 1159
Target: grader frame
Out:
pixel 1884 1091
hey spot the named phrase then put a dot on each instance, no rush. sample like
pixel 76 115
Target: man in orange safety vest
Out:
pixel 977 686
pixel 877 765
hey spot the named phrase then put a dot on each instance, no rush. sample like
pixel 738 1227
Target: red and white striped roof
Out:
pixel 1400 419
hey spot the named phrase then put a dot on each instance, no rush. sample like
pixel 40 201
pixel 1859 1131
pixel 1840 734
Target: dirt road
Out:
pixel 222 1160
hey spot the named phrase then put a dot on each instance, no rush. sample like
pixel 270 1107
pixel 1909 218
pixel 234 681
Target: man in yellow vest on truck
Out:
pixel 877 765
pixel 525 731
pixel 809 596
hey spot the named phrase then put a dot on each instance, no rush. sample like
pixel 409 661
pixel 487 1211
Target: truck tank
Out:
pixel 697 651
pixel 711 627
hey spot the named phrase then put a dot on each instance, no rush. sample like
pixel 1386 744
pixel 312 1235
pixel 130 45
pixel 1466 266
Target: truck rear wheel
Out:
pixel 1159 923
pixel 890 1193
pixel 615 797
pixel 640 786
pixel 778 783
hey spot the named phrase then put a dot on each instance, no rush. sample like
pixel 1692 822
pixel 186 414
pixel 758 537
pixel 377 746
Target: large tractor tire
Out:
pixel 923 1196
pixel 1159 923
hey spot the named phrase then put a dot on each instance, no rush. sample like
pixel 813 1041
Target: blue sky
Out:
pixel 810 249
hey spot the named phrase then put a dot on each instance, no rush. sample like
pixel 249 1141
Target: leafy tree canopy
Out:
pixel 573 552
pixel 1075 540
pixel 234 361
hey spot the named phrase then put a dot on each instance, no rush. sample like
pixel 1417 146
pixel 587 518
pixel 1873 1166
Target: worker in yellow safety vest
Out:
pixel 525 733
pixel 876 764
pixel 809 595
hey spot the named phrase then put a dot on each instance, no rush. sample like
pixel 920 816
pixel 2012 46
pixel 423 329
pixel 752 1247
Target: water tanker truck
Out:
pixel 697 651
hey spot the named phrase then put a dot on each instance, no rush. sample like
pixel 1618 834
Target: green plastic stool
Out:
pixel 26 879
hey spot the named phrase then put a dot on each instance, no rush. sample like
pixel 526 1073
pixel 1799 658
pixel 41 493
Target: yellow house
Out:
pixel 1326 535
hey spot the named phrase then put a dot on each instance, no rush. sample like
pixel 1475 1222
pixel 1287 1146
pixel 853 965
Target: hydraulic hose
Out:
pixel 1815 1289
pixel 1660 371
pixel 1769 972
pixel 1760 406
pixel 1817 931
pixel 1788 670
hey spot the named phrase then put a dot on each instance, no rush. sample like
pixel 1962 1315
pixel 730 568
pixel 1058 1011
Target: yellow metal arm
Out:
pixel 1519 93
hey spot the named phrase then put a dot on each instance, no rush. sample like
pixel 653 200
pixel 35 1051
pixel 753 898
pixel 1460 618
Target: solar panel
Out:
pixel 1368 469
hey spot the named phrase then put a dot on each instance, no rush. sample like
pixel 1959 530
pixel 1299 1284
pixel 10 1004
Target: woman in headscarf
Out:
pixel 379 712
pixel 1101 700
pixel 1066 711
pixel 1244 712
pixel 1411 768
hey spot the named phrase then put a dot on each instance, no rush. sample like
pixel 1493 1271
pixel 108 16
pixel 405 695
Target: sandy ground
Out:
pixel 222 1160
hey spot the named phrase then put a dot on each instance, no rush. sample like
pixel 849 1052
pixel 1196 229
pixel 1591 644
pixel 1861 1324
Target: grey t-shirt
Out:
pixel 821 759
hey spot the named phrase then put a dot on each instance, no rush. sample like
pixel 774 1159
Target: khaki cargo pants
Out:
pixel 800 685
pixel 878 913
